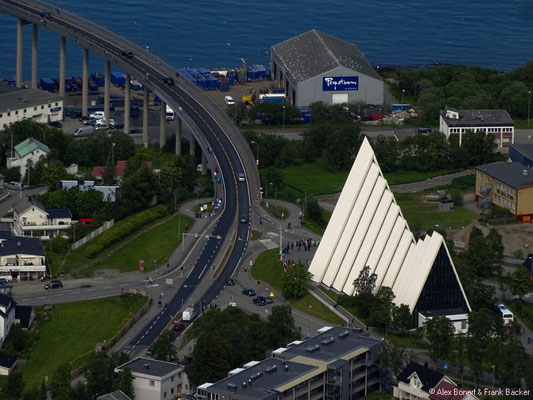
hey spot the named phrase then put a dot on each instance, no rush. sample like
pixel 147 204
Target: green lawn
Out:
pixel 267 268
pixel 313 179
pixel 523 310
pixel 73 329
pixel 426 215
pixel 157 243
pixel 409 341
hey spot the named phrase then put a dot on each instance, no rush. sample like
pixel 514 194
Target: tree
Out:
pixel 78 392
pixel 342 147
pixel 381 312
pixel 294 281
pixel 124 382
pixel 138 190
pixel 439 331
pixel 494 241
pixel 518 254
pixel 60 383
pixel 163 349
pixel 54 173
pixel 282 327
pixel 392 357
pixel 108 176
pixel 313 211
pixel 20 338
pixel 402 319
pixel 209 358
pixel 275 176
pixel 365 283
pixel 99 375
pixel 520 282
pixel 14 386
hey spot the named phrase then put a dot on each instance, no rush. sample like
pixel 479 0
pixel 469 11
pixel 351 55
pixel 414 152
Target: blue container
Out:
pixel 118 79
pixel 224 87
pixel 204 71
pixel 98 78
pixel 201 82
pixel 92 86
pixel 48 84
pixel 157 99
pixel 242 76
pixel 231 80
pixel 399 107
pixel 278 90
pixel 212 82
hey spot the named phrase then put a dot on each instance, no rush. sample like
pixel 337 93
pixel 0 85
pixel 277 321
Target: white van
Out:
pixel 97 115
pixel 170 114
pixel 14 185
pixel 84 131
pixel 229 100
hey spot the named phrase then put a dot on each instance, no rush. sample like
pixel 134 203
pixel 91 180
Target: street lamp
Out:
pixel 493 368
pixel 403 93
pixel 256 152
pixel 284 117
pixel 147 48
pixel 528 107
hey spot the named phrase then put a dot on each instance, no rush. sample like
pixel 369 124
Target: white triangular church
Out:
pixel 367 228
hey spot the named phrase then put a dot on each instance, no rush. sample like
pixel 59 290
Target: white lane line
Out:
pixel 201 273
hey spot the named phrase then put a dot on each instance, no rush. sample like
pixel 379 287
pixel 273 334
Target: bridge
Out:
pixel 218 137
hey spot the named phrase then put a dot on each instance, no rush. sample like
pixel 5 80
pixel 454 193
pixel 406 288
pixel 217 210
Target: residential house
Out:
pixel 417 382
pixel 26 151
pixel 98 172
pixel 7 363
pixel 109 191
pixel 31 218
pixel 21 257
pixel 25 316
pixel 7 316
pixel 116 395
pixel 156 380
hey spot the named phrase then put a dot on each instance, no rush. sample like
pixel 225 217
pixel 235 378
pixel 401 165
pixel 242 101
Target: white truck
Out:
pixel 170 114
pixel 189 313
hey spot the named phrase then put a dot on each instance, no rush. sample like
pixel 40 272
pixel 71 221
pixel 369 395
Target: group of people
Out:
pixel 306 244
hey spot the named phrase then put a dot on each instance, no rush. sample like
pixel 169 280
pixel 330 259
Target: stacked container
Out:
pixel 256 73
pixel 118 79
pixel 98 78
pixel 48 84
pixel 305 113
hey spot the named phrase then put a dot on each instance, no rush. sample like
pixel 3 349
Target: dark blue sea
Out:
pixel 201 33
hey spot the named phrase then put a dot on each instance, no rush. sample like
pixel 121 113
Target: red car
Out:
pixel 179 326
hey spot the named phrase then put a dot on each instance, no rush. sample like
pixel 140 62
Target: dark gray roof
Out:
pixel 58 213
pixel 472 118
pixel 332 344
pixel 23 314
pixel 510 173
pixel 27 202
pixel 11 245
pixel 262 382
pixel 428 377
pixel 525 149
pixel 6 301
pixel 149 366
pixel 116 395
pixel 313 53
pixel 16 99
pixel 7 361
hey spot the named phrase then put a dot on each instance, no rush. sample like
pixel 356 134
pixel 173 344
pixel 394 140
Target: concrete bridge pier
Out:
pixel 34 42
pixel 107 89
pixel 18 73
pixel 127 103
pixel 146 105
pixel 204 164
pixel 162 125
pixel 178 136
pixel 85 84
pixel 192 146
pixel 62 65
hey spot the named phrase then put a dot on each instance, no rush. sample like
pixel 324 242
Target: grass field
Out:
pixel 73 329
pixel 267 268
pixel 157 242
pixel 426 215
pixel 314 180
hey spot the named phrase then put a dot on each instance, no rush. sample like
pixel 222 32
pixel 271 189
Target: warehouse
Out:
pixel 34 104
pixel 367 228
pixel 315 66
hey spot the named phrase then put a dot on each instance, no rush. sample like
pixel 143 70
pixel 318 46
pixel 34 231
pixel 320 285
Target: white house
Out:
pixel 28 150
pixel 109 191
pixel 7 315
pixel 156 380
pixel 491 122
pixel 31 218
pixel 21 256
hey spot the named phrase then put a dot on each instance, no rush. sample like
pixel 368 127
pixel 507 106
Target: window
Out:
pixel 172 379
pixel 17 112
pixel 57 103
pixel 49 106
pixel 151 383
pixel 172 391
pixel 34 109
pixel 164 394
pixel 24 110
pixel 9 114
pixel 42 107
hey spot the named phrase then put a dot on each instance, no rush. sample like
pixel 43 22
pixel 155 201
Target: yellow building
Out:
pixel 508 185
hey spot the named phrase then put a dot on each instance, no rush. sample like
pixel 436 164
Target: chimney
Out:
pixel 18 244
pixel 524 172
pixel 147 367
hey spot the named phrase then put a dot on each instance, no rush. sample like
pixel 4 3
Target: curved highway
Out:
pixel 208 122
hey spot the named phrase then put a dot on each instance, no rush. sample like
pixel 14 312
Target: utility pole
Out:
pixel 280 242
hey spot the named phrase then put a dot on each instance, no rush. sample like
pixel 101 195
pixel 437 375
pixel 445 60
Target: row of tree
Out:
pixel 463 87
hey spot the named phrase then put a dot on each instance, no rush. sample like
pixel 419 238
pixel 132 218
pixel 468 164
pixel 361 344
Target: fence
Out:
pixel 93 234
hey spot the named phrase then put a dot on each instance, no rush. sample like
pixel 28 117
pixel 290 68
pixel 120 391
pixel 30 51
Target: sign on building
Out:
pixel 340 83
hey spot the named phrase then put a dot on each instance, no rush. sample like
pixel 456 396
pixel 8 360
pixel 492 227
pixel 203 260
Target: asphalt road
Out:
pixel 213 131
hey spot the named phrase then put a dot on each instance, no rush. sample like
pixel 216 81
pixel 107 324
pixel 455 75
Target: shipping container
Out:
pixel 48 84
pixel 118 79
pixel 224 87
pixel 212 82
pixel 278 90
pixel 98 78
pixel 204 71
pixel 231 80
pixel 93 87
pixel 277 98
pixel 135 85
pixel 399 107
pixel 157 99
pixel 201 82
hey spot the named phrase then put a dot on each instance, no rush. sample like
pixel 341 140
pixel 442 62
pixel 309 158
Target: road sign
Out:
pixel 271 294
pixel 169 282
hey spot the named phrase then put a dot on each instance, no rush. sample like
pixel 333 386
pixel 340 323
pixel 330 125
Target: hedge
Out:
pixel 123 229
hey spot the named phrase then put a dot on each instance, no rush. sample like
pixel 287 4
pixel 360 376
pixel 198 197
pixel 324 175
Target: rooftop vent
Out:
pixel 147 366
pixel 257 375
pixel 328 340
pixel 244 384
pixel 286 367
pixel 232 386
pixel 312 349
pixel 18 244
pixel 524 172
pixel 344 334
pixel 270 369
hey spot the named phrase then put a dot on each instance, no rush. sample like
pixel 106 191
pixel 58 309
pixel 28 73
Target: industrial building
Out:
pixel 337 363
pixel 34 104
pixel 315 66
pixel 508 185
pixel 491 122
pixel 367 228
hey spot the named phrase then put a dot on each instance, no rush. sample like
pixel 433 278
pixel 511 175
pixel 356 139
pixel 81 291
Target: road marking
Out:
pixel 108 287
pixel 75 292
pixel 91 290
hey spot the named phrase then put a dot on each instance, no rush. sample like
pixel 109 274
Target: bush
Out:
pixel 59 245
pixel 123 229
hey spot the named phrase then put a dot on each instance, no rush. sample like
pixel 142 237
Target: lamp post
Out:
pixel 147 48
pixel 528 107
pixel 403 93
pixel 284 117
pixel 493 368
pixel 256 152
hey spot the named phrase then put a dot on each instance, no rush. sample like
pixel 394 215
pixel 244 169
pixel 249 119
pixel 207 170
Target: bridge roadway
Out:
pixel 215 133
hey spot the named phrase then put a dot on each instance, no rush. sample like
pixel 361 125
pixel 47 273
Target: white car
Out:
pixel 103 121
pixel 229 101
pixel 97 115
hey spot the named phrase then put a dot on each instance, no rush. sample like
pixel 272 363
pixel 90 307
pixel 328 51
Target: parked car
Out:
pixel 103 121
pixel 230 282
pixel 84 131
pixel 248 292
pixel 179 326
pixel 101 127
pixel 269 300
pixel 14 185
pixel 423 130
pixel 55 284
pixel 3 281
pixel 56 124
pixel 135 130
pixel 97 115
pixel 229 101
pixel 259 301
pixel 88 121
